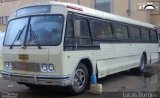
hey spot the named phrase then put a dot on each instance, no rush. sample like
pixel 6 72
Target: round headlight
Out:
pixel 10 65
pixel 7 65
pixel 51 67
pixel 44 67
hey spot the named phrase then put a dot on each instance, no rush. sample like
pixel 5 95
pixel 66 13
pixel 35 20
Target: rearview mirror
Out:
pixel 77 27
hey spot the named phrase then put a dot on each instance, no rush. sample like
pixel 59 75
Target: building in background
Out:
pixel 155 15
pixel 126 8
pixel 104 5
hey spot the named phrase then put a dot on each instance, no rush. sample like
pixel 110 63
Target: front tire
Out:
pixel 142 66
pixel 80 80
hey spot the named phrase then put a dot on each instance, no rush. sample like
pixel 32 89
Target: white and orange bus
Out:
pixel 65 44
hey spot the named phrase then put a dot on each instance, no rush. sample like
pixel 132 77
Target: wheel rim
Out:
pixel 79 78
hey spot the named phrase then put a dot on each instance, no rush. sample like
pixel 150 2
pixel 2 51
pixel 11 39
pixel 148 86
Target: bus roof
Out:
pixel 93 12
pixel 105 15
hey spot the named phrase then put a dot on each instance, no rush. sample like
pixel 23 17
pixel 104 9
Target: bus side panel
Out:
pixel 154 53
pixel 154 57
pixel 116 57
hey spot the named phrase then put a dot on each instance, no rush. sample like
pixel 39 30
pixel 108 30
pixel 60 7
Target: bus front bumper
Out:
pixel 38 79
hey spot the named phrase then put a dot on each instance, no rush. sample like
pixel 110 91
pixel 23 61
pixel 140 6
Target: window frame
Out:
pixel 104 2
pixel 3 20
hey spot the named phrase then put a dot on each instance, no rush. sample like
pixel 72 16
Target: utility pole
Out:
pixel 78 2
pixel 129 8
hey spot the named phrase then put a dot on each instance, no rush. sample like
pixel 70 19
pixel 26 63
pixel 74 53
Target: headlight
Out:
pixel 44 67
pixel 51 67
pixel 47 67
pixel 8 65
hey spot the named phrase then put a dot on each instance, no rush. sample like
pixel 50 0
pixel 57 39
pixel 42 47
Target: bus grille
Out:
pixel 21 66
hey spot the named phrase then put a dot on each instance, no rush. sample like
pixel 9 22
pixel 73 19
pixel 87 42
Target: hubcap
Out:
pixel 79 78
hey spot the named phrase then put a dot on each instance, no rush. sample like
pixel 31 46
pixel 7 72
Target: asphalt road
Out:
pixel 120 82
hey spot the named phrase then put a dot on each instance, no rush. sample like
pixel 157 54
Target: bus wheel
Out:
pixel 141 68
pixel 80 80
pixel 142 64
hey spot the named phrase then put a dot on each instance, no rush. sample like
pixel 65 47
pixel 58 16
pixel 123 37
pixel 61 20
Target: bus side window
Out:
pixel 69 27
pixel 103 30
pixel 145 34
pixel 98 29
pixel 121 31
pixel 81 32
pixel 154 36
pixel 77 28
pixel 107 30
pixel 69 35
pixel 134 33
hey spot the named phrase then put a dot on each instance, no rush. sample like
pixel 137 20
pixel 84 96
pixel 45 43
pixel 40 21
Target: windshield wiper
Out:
pixel 35 37
pixel 17 36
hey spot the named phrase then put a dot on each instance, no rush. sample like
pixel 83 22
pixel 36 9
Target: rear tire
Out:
pixel 80 80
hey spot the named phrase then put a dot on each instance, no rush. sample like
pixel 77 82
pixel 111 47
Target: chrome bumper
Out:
pixel 38 79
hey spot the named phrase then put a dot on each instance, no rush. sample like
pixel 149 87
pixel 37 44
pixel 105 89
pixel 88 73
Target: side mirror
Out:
pixel 77 27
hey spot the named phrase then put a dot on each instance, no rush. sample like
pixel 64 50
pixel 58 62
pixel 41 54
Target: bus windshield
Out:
pixel 43 30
